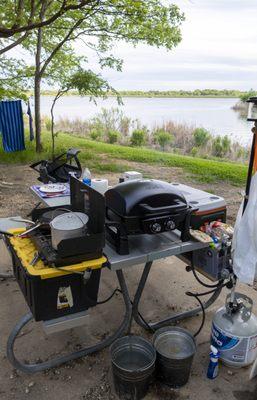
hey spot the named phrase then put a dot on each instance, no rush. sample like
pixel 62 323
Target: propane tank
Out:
pixel 234 331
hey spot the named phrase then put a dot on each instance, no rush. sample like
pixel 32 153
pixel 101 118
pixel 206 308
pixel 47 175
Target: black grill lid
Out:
pixel 145 197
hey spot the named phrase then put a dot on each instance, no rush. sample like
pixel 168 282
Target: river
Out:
pixel 214 114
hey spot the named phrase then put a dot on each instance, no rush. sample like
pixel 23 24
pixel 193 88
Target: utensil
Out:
pixel 26 221
pixel 30 229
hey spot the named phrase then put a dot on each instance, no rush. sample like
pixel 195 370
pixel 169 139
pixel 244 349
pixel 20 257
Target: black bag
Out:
pixel 60 168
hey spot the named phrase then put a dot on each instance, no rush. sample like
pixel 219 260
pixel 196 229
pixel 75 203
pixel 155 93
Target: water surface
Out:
pixel 214 114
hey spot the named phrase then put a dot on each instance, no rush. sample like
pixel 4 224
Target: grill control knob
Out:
pixel 155 227
pixel 170 225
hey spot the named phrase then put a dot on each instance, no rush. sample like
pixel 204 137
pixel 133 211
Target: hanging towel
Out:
pixel 11 125
pixel 31 129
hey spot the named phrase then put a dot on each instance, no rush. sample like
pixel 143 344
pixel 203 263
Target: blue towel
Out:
pixel 11 125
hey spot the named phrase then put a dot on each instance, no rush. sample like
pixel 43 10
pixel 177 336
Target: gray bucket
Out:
pixel 175 350
pixel 133 364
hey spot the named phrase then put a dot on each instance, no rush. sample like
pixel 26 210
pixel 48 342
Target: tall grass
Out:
pixel 103 157
pixel 113 126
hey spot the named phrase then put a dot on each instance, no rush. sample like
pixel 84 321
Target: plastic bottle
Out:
pixel 213 367
pixel 86 177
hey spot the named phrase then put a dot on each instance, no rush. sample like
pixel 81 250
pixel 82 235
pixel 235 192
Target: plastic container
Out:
pixel 175 350
pixel 213 367
pixel 133 364
pixel 52 292
pixel 86 177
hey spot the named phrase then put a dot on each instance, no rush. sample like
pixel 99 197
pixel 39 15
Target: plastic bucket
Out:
pixel 175 350
pixel 133 364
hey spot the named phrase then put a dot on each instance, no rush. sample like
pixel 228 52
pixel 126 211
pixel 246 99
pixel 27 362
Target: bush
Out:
pixel 217 147
pixel 95 134
pixel 194 151
pixel 221 146
pixel 113 136
pixel 163 138
pixel 245 96
pixel 138 137
pixel 226 144
pixel 201 137
pixel 112 120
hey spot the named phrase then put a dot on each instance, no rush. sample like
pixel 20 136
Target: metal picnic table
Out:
pixel 145 249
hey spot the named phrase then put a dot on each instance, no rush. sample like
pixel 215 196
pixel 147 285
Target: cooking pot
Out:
pixel 67 226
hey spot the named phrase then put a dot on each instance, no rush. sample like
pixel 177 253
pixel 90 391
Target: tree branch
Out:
pixel 65 39
pixel 8 32
pixel 58 47
pixel 15 43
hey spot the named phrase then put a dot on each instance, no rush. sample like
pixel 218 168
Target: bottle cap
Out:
pixel 214 350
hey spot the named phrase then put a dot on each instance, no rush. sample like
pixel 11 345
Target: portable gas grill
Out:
pixel 145 206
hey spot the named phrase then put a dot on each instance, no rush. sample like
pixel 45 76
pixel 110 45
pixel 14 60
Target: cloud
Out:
pixel 218 50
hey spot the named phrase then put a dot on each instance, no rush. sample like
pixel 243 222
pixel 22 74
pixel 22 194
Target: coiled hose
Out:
pixel 32 368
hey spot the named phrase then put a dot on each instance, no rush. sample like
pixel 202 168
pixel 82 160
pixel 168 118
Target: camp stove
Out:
pixel 71 250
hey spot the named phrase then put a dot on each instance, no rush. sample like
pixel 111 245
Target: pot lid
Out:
pixel 69 221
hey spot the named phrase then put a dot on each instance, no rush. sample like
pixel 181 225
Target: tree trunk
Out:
pixel 37 84
pixel 37 87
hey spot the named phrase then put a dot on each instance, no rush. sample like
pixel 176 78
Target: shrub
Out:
pixel 245 96
pixel 112 120
pixel 113 136
pixel 95 134
pixel 163 138
pixel 201 137
pixel 221 146
pixel 217 147
pixel 226 144
pixel 138 137
pixel 194 151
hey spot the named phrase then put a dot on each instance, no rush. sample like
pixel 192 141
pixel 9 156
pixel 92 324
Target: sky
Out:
pixel 218 50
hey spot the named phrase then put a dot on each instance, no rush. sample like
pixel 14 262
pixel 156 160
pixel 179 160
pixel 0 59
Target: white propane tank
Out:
pixel 234 332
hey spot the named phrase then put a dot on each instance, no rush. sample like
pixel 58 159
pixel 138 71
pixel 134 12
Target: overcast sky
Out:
pixel 218 50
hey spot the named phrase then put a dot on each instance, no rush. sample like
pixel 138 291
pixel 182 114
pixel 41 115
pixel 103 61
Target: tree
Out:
pixel 98 25
pixel 54 57
pixel 86 83
pixel 20 17
pixel 13 78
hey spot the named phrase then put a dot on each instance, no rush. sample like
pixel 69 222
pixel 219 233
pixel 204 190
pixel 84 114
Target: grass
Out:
pixel 101 157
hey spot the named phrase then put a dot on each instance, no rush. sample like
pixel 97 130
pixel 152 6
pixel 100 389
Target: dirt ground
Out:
pixel 90 378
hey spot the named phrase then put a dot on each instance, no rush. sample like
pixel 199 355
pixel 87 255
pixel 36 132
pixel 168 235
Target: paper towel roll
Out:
pixel 101 185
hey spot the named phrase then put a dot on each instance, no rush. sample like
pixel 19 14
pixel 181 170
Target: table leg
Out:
pixel 176 317
pixel 31 368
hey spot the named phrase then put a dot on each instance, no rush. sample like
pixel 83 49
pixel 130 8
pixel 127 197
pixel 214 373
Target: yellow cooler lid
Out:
pixel 26 250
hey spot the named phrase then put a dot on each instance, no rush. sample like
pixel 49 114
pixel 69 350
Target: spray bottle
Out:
pixel 86 177
pixel 213 367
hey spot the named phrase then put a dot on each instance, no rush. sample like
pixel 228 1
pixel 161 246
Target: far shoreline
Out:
pixel 161 94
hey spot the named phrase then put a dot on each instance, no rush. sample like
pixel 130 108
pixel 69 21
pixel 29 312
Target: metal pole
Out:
pixel 250 167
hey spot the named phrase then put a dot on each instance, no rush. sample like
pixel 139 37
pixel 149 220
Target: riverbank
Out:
pixel 198 93
pixel 104 157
